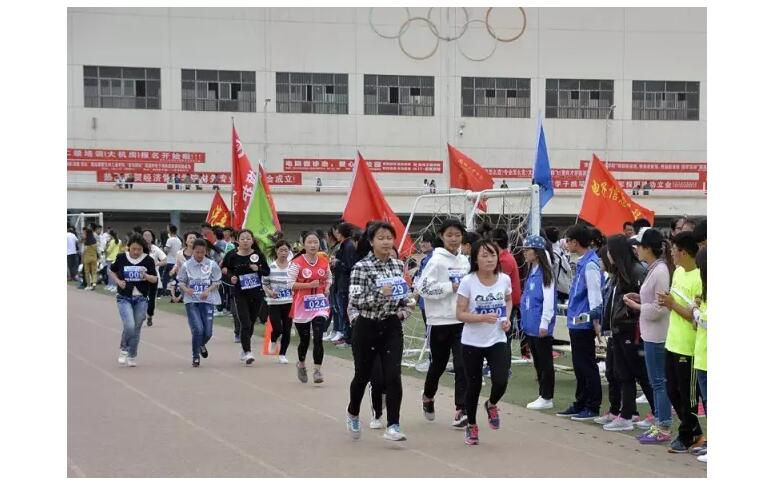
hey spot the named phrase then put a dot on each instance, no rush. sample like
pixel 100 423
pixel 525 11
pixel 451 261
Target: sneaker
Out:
pixel 699 449
pixel 328 336
pixel 301 373
pixel 540 404
pixel 236 339
pixel 656 435
pixel 605 419
pixel 341 344
pixel 569 412
pixel 487 371
pixel 149 320
pixel 337 336
pixel 703 458
pixel 641 399
pixel 677 447
pixel 619 424
pixel 249 358
pixel 121 359
pixel 585 415
pixel 471 435
pixel 646 423
pixel 317 376
pixel 89 288
pixel 242 356
pixel 353 424
pixel 340 341
pixel 131 361
pixel 460 419
pixel 700 410
pixel 283 360
pixel 493 414
pixel 428 407
pixel 195 362
pixel 376 424
pixel 394 433
pixel 203 351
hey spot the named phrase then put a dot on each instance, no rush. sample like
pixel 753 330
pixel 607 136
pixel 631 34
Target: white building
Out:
pixel 569 64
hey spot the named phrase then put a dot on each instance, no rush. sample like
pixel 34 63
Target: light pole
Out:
pixel 264 132
pixel 608 115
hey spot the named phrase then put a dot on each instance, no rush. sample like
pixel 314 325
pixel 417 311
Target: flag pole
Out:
pixel 584 188
pixel 232 177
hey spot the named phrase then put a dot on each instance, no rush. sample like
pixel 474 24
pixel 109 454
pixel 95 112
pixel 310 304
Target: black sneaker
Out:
pixel 149 320
pixel 428 408
pixel 195 362
pixel 460 419
pixel 569 412
pixel 203 351
pixel 678 447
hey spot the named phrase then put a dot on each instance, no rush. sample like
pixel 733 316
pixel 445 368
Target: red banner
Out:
pixel 205 177
pixel 111 154
pixel 284 178
pixel 125 166
pixel 345 165
pixel 570 178
pixel 648 167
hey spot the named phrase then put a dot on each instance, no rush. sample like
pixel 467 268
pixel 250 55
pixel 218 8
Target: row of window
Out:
pixel 297 92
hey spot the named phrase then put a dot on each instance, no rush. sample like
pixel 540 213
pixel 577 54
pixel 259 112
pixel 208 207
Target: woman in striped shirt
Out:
pixel 279 298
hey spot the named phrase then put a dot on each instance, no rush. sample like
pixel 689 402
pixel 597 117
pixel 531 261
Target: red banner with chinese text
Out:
pixel 113 154
pixel 345 165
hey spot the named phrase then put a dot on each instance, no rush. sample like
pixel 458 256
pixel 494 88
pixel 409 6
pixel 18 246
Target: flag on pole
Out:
pixel 542 175
pixel 243 181
pixel 261 217
pixel 465 173
pixel 366 202
pixel 218 214
pixel 605 204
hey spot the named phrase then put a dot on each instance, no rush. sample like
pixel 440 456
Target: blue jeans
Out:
pixel 702 381
pixel 655 366
pixel 200 317
pixel 133 311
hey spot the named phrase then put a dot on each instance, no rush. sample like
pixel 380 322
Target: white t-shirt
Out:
pixel 71 243
pixel 484 299
pixel 157 254
pixel 173 245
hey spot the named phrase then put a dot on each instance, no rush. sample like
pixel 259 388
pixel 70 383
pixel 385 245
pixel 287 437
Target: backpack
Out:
pixel 562 273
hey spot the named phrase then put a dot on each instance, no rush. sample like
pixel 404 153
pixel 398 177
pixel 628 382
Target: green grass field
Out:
pixel 522 386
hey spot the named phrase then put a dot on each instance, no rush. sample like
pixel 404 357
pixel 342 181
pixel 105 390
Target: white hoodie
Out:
pixel 435 286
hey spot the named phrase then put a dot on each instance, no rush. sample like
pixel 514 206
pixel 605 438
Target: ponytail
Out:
pixel 667 256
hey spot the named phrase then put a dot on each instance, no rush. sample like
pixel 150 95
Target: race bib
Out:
pixel 315 302
pixel 283 294
pixel 199 285
pixel 250 281
pixel 456 275
pixel 400 288
pixel 133 273
pixel 491 307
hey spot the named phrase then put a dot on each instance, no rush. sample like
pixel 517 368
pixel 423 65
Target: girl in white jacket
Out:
pixel 438 287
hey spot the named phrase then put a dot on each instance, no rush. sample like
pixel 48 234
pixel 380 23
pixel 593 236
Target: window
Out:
pixel 496 97
pixel 579 98
pixel 209 90
pixel 399 95
pixel 121 87
pixel 299 92
pixel 666 100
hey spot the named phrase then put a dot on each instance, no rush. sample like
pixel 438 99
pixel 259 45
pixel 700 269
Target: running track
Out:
pixel 166 419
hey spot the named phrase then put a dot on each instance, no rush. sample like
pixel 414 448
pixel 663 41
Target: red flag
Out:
pixel 465 173
pixel 605 204
pixel 366 203
pixel 218 214
pixel 243 180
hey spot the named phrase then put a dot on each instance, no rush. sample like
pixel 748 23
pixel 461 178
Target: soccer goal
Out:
pixel 514 209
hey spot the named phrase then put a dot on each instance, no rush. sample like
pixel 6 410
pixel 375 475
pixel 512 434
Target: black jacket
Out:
pixel 345 260
pixel 617 316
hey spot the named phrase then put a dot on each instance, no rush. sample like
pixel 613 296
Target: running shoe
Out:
pixel 301 373
pixel 203 351
pixel 121 359
pixel 471 435
pixel 236 339
pixel 699 449
pixel 328 336
pixel 149 320
pixel 585 415
pixel 428 407
pixel 540 404
pixel 703 458
pixel 283 360
pixel 394 433
pixel 605 419
pixel 641 399
pixel 337 336
pixel 242 356
pixel 678 447
pixel 569 412
pixel 646 423
pixel 655 435
pixel 493 413
pixel 487 371
pixel 376 424
pixel 249 358
pixel 317 376
pixel 195 362
pixel 89 288
pixel 460 419
pixel 353 426
pixel 619 424
pixel 131 361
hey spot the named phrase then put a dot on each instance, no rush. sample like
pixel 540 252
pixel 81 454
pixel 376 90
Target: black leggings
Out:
pixel 629 367
pixel 499 361
pixel 303 329
pixel 247 307
pixel 377 389
pixel 542 353
pixel 445 340
pixel 281 325
pixel 378 340
pixel 153 295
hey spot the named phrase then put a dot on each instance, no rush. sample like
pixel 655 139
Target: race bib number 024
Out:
pixel 315 302
pixel 400 288
pixel 250 281
pixel 491 307
pixel 133 273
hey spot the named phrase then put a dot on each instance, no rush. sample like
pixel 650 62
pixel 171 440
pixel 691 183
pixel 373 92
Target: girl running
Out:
pixel 377 291
pixel 133 272
pixel 245 268
pixel 199 279
pixel 438 286
pixel 484 300
pixel 279 299
pixel 181 257
pixel 309 277
pixel 160 259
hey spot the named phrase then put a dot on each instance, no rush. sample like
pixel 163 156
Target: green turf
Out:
pixel 522 386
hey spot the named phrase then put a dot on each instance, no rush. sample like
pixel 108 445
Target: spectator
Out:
pixel 636 189
pixel 72 253
pixel 90 259
pixel 628 229
pixel 197 183
pixel 433 188
pixel 676 225
pixel 639 224
pixel 689 225
pixel 118 180
pixel 646 188
pixel 170 181
pixel 187 181
pixel 425 186
pixel 318 184
pixel 701 233
pixel 177 182
pixel 504 184
pixel 171 247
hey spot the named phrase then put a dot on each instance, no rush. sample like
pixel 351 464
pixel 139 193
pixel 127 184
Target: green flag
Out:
pixel 259 216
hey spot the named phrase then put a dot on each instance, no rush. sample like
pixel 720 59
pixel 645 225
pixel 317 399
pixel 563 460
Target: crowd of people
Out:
pixel 643 290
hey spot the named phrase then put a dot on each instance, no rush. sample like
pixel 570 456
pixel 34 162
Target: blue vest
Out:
pixel 578 301
pixel 531 305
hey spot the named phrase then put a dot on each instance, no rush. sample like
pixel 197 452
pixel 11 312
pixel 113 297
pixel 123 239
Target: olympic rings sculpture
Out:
pixel 448 38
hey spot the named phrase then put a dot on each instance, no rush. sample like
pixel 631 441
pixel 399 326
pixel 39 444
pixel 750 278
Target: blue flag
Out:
pixel 542 175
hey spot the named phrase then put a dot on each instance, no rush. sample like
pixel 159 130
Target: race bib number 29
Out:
pixel 400 288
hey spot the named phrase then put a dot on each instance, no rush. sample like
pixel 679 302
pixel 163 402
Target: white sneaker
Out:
pixel 122 358
pixel 328 336
pixel 271 348
pixel 249 358
pixel 619 424
pixel 394 433
pixel 641 399
pixel 605 419
pixel 703 458
pixel 540 404
pixel 89 288
pixel 131 361
pixel 336 337
pixel 283 360
pixel 376 424
pixel 243 356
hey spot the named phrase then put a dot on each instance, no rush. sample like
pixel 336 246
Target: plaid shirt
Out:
pixel 365 296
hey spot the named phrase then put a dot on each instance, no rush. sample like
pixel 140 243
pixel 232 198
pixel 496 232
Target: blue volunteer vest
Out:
pixel 578 301
pixel 531 305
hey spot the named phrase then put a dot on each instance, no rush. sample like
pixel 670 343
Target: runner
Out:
pixel 161 260
pixel 199 279
pixel 438 286
pixel 181 257
pixel 484 300
pixel 245 268
pixel 133 272
pixel 309 277
pixel 538 307
pixel 377 290
pixel 279 298
pixel 111 253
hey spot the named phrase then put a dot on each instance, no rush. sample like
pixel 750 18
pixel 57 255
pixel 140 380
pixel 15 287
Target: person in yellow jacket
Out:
pixel 112 249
